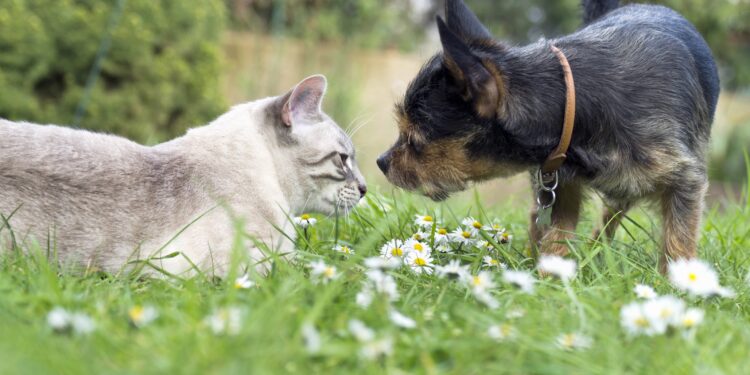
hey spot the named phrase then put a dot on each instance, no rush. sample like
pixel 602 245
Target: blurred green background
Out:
pixel 149 69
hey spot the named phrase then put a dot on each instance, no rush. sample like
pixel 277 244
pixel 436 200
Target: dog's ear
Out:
pixel 463 22
pixel 303 103
pixel 477 84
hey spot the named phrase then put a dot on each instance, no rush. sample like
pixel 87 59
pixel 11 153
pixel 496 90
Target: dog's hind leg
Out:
pixel 565 214
pixel 681 207
pixel 612 216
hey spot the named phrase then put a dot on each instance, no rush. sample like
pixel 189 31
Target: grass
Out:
pixel 451 333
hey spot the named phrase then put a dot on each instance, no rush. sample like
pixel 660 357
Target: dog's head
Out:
pixel 448 111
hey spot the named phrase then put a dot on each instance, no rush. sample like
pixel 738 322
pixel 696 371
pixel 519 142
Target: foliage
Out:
pixel 451 335
pixel 161 73
pixel 367 23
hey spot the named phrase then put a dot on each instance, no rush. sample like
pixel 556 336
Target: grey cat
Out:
pixel 100 201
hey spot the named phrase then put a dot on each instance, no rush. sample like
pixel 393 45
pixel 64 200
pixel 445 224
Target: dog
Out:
pixel 646 88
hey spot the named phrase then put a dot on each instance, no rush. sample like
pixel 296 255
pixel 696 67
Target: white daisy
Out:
pixel 462 236
pixel 691 318
pixel 360 331
pixel 483 244
pixel 634 320
pixel 377 349
pixel 502 237
pixel 417 247
pixel 382 283
pixel 488 261
pixel 82 324
pixel 663 312
pixel 380 263
pixel 444 248
pixel 225 321
pixel 494 228
pixel 393 248
pixel 141 316
pixel 472 224
pixel 420 236
pixel 364 298
pixel 323 272
pixel 311 337
pixel 520 279
pixel 305 220
pixel 424 221
pixel 243 282
pixel 401 320
pixel 419 262
pixel 501 332
pixel 574 341
pixel 344 249
pixel 563 268
pixel 481 281
pixel 516 313
pixel 58 319
pixel 484 296
pixel 453 270
pixel 441 236
pixel 644 291
pixel 697 278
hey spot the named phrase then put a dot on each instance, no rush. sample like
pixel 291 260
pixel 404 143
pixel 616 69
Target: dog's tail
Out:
pixel 595 9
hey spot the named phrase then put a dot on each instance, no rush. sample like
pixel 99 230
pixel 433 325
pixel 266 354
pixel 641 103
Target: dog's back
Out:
pixel 641 18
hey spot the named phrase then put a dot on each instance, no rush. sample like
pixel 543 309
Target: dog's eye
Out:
pixel 415 146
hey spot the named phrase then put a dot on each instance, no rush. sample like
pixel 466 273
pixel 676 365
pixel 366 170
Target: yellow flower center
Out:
pixel 477 225
pixel 496 226
pixel 692 276
pixel 427 218
pixel 494 262
pixel 477 281
pixel 442 231
pixel 345 249
pixel 641 322
pixel 397 252
pixel 466 234
pixel 136 313
pixel 666 313
pixel 688 322
pixel 305 217
pixel 329 272
pixel 568 340
pixel 420 262
pixel 418 247
pixel 417 236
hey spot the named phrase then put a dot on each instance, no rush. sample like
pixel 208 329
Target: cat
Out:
pixel 99 201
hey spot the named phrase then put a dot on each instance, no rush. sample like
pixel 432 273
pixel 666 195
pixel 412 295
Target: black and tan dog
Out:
pixel 646 88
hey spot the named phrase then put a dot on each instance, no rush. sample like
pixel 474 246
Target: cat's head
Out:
pixel 449 109
pixel 322 155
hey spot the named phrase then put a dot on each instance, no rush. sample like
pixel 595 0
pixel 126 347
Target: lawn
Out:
pixel 298 321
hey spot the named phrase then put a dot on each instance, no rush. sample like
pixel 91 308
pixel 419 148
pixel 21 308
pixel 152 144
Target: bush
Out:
pixel 160 75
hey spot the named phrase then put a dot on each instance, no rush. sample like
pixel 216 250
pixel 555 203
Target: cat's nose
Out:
pixel 383 162
pixel 362 190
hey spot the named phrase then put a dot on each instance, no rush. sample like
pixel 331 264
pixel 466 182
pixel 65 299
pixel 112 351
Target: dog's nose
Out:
pixel 383 162
pixel 362 190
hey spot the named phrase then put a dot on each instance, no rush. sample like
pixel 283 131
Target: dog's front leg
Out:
pixel 565 212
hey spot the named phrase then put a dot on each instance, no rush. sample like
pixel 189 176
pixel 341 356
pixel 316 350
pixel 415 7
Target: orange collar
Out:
pixel 557 157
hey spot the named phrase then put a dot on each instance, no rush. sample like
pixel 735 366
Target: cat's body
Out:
pixel 102 201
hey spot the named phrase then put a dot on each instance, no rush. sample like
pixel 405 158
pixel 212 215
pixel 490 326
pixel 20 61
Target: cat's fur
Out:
pixel 101 201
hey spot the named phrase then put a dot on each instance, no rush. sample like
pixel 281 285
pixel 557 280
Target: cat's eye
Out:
pixel 344 158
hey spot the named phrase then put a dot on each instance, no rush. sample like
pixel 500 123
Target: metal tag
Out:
pixel 544 216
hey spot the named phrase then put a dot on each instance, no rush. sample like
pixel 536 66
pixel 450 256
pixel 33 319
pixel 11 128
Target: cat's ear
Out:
pixel 478 85
pixel 303 104
pixel 463 22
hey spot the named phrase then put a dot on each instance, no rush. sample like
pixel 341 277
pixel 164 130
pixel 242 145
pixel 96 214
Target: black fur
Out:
pixel 595 9
pixel 646 93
